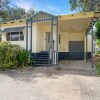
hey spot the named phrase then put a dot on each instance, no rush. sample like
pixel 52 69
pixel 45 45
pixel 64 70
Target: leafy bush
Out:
pixel 23 58
pixel 98 52
pixel 98 42
pixel 12 56
pixel 97 33
pixel 98 68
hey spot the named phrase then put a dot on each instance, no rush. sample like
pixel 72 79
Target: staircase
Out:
pixel 43 59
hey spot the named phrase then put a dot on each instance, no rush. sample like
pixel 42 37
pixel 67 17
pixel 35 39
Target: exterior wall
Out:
pixel 47 28
pixel 16 23
pixel 33 38
pixel 21 43
pixel 89 43
pixel 39 37
pixel 65 37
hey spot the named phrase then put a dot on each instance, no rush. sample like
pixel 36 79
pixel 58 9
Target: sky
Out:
pixel 56 7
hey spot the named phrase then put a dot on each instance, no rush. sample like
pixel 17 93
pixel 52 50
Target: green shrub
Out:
pixel 98 42
pixel 98 52
pixel 12 56
pixel 23 58
pixel 98 68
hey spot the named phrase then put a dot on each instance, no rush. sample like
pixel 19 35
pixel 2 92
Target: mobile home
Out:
pixel 52 38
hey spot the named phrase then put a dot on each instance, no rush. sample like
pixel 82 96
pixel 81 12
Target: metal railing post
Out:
pixel 92 40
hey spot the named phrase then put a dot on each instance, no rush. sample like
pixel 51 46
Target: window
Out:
pixel 21 36
pixel 0 37
pixel 8 36
pixel 15 36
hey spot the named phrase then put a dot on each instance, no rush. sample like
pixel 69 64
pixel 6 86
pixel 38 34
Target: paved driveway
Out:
pixel 51 83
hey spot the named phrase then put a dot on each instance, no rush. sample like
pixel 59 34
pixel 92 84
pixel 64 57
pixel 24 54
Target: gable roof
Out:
pixel 42 16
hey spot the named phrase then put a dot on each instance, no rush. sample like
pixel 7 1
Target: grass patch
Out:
pixel 98 68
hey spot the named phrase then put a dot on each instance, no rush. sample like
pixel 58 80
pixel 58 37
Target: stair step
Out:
pixel 44 51
pixel 40 64
pixel 41 59
pixel 44 56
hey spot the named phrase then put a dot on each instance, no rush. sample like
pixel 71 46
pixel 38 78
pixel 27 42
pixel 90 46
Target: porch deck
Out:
pixel 75 64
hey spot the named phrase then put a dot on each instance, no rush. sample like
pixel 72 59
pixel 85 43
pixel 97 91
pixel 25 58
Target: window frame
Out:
pixel 19 33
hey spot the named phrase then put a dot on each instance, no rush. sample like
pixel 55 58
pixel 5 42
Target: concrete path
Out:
pixel 50 83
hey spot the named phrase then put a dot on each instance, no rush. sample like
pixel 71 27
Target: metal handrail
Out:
pixel 52 44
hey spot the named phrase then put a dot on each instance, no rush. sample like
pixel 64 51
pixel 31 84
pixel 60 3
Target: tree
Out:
pixel 30 12
pixel 3 6
pixel 8 13
pixel 97 33
pixel 85 5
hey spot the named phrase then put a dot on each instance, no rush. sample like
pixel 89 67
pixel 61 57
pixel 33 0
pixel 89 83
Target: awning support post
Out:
pixel 92 31
pixel 26 35
pixel 31 37
pixel 52 39
pixel 86 46
pixel 57 40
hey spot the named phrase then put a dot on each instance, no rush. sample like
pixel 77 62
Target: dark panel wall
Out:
pixel 65 56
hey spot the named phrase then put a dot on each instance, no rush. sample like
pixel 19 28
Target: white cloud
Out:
pixel 37 5
pixel 24 4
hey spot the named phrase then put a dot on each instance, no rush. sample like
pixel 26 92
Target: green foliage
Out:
pixel 23 58
pixel 30 12
pixel 85 5
pixel 98 68
pixel 98 42
pixel 98 52
pixel 8 13
pixel 97 33
pixel 12 56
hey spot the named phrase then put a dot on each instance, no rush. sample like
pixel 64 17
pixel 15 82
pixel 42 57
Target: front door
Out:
pixel 48 40
pixel 76 50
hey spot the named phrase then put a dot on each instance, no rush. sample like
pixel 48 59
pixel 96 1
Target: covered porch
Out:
pixel 63 37
pixel 42 31
pixel 72 35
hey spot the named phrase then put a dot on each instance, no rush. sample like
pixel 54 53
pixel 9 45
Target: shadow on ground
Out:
pixel 32 73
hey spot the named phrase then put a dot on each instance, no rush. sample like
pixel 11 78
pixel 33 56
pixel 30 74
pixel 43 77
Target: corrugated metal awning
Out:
pixel 13 29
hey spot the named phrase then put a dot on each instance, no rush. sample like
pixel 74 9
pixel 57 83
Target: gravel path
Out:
pixel 50 83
